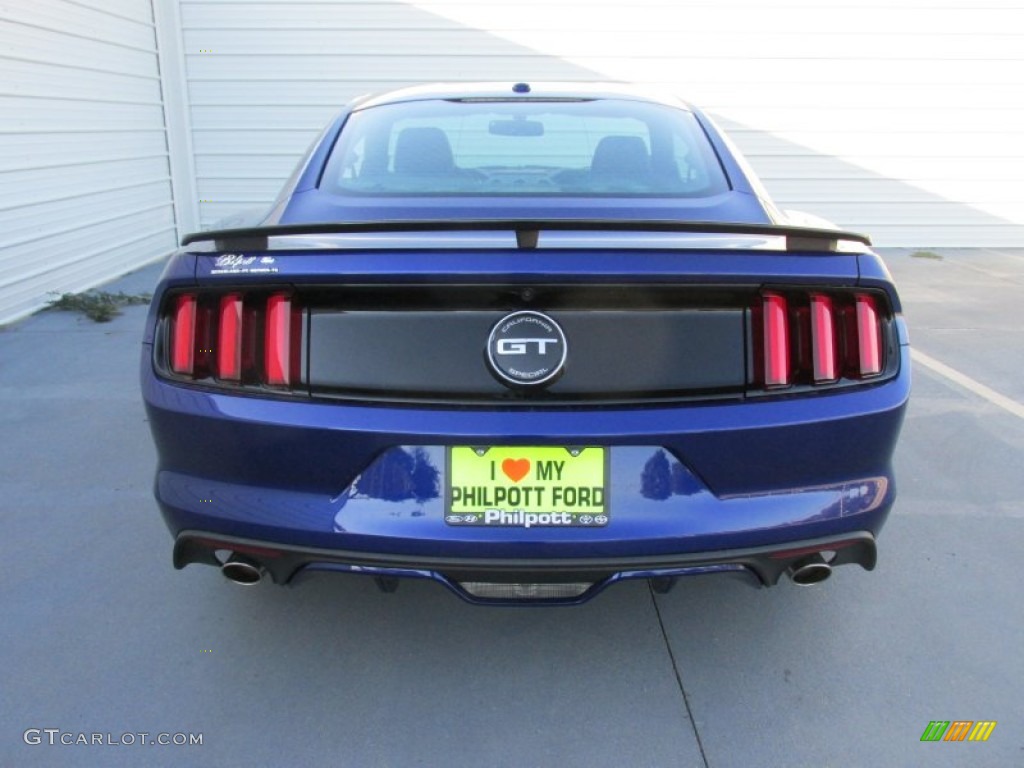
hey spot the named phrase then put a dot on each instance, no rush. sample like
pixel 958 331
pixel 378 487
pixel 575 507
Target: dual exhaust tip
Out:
pixel 809 571
pixel 242 570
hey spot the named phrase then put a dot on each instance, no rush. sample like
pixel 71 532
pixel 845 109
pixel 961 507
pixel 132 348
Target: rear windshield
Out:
pixel 594 147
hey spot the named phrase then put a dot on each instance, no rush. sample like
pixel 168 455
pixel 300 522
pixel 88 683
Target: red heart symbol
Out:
pixel 516 469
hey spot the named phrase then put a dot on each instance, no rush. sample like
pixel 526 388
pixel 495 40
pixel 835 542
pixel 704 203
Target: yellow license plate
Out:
pixel 539 486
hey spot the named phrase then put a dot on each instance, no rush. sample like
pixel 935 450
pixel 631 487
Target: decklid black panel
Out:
pixel 442 353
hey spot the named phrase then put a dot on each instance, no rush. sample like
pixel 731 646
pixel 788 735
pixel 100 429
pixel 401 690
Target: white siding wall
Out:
pixel 84 182
pixel 902 118
pixel 264 78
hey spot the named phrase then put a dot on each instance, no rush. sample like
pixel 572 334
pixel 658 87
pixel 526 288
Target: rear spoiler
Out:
pixel 527 231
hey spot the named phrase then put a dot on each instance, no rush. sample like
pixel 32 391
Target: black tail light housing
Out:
pixel 820 338
pixel 233 339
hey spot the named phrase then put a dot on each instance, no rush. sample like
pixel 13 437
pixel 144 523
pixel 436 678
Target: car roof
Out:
pixel 537 91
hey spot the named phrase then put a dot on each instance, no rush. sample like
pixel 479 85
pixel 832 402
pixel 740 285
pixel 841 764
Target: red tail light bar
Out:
pixel 817 337
pixel 277 341
pixel 869 336
pixel 229 336
pixel 183 335
pixel 776 341
pixel 236 338
pixel 823 336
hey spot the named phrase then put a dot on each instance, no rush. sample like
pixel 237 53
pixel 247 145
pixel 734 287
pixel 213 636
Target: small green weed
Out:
pixel 926 255
pixel 100 306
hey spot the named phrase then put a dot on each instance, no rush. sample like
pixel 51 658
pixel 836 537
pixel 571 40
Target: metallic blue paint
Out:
pixel 281 470
pixel 689 477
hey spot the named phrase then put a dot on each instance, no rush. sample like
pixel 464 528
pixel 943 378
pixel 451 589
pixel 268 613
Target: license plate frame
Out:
pixel 527 486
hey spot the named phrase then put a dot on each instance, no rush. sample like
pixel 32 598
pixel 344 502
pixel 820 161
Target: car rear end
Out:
pixel 526 342
pixel 325 403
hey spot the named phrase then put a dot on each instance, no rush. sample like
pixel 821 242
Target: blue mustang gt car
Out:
pixel 525 341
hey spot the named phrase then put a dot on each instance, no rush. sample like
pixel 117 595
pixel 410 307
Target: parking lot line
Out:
pixel 1002 401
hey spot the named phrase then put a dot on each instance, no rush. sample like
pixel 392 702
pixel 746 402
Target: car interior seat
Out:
pixel 621 159
pixel 423 150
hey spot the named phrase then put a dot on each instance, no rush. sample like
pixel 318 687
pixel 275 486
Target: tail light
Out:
pixel 817 338
pixel 235 338
pixel 776 341
pixel 183 335
pixel 229 337
pixel 823 338
pixel 277 341
pixel 869 336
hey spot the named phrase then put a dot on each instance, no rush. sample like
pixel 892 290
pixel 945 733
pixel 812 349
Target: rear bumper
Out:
pixel 760 566
pixel 748 480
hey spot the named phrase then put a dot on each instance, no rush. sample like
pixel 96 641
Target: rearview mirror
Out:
pixel 516 128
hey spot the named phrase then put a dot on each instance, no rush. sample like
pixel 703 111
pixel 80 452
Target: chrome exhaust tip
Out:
pixel 809 571
pixel 241 570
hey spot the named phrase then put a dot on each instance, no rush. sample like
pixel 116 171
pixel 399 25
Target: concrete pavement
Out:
pixel 98 634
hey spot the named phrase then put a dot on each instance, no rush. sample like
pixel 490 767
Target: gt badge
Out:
pixel 526 349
